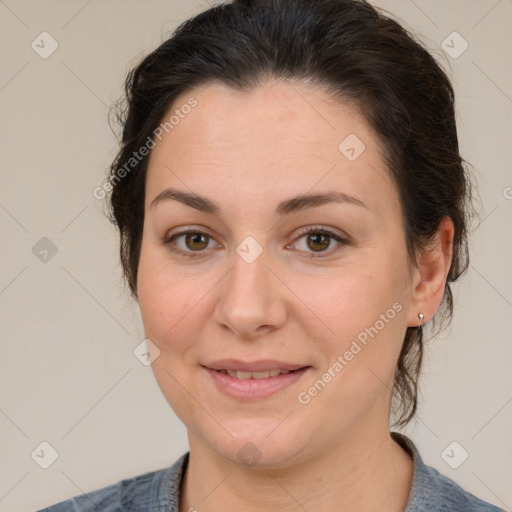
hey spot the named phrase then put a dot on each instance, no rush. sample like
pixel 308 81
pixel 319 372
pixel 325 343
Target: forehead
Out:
pixel 276 139
pixel 290 111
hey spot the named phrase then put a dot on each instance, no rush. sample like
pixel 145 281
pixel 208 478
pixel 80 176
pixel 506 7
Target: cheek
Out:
pixel 166 314
pixel 164 299
pixel 363 308
pixel 354 299
pixel 175 305
pixel 170 304
pixel 366 321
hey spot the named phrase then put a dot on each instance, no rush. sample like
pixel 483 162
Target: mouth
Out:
pixel 243 375
pixel 254 380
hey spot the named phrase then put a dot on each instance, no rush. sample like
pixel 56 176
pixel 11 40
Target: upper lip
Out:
pixel 261 365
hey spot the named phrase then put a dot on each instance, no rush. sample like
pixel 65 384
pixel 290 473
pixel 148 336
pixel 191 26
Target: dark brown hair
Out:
pixel 352 51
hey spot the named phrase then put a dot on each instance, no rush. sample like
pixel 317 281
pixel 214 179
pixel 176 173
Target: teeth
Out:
pixel 260 375
pixel 240 375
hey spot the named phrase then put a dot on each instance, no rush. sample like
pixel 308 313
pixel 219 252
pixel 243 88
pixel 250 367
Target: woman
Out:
pixel 292 210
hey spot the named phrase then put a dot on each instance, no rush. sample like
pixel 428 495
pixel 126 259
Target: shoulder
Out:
pixel 154 491
pixel 432 491
pixel 438 492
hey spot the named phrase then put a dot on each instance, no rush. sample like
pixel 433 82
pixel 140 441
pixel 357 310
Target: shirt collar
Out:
pixel 424 478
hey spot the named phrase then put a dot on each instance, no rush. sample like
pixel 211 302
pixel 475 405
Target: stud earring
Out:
pixel 420 316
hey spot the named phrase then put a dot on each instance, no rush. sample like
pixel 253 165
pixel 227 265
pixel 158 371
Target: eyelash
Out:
pixel 168 241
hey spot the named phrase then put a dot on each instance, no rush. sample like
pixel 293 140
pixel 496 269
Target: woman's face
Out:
pixel 249 289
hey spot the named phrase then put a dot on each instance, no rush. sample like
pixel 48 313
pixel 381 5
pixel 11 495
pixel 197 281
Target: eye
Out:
pixel 189 242
pixel 318 240
pixel 195 243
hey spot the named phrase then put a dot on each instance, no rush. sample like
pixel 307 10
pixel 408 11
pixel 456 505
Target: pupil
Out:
pixel 196 239
pixel 320 240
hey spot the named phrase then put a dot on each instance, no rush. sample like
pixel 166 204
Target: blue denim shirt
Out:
pixel 159 491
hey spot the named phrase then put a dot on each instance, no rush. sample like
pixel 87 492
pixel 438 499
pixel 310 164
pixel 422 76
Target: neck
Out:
pixel 364 471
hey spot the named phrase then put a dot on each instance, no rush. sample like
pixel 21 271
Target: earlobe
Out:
pixel 433 267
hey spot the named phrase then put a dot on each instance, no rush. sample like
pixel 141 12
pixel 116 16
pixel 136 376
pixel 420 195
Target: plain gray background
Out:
pixel 68 328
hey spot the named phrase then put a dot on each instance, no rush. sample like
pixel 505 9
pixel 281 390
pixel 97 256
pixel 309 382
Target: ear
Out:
pixel 430 275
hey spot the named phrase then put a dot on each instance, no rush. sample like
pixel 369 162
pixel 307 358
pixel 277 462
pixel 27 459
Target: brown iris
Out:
pixel 196 241
pixel 318 241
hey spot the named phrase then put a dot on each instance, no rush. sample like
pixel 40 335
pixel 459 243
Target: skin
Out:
pixel 248 151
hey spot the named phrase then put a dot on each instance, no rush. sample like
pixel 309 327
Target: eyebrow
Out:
pixel 298 203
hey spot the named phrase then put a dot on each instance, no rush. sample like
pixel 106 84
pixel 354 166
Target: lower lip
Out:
pixel 252 389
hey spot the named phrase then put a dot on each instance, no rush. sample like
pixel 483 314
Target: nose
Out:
pixel 252 302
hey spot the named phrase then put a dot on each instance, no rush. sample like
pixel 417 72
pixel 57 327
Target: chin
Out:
pixel 259 443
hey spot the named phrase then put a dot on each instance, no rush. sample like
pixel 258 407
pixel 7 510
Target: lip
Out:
pixel 255 389
pixel 261 365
